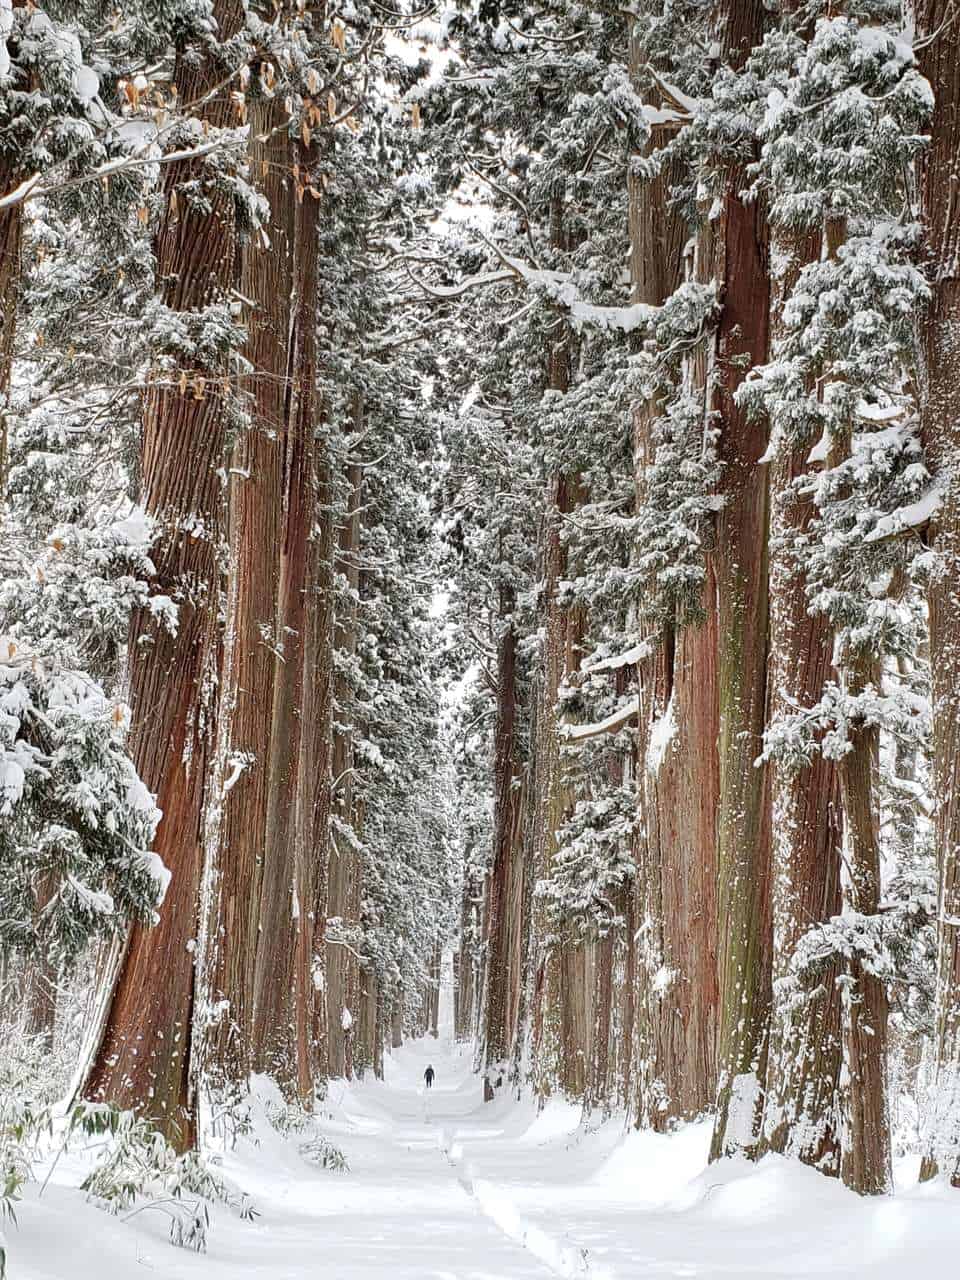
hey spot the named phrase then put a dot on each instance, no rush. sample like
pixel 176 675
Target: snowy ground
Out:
pixel 441 1187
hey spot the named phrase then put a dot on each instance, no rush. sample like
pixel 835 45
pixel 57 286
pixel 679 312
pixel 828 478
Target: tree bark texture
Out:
pixel 504 885
pixel 677 791
pixel 800 1103
pixel 283 999
pixel 740 565
pixel 143 1059
pixel 343 976
pixel 252 637
pixel 938 41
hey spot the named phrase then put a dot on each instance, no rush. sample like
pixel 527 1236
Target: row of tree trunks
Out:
pixel 257 834
pixel 938 42
pixel 144 1057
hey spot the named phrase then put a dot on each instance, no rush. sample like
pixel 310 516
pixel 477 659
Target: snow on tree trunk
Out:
pixel 251 637
pixel 677 779
pixel 938 44
pixel 800 1105
pixel 740 564
pixel 343 978
pixel 504 884
pixel 467 968
pixel 865 1138
pixel 283 989
pixel 11 237
pixel 560 1028
pixel 144 1056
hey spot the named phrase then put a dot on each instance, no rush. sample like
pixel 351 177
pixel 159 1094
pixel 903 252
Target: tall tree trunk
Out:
pixel 11 248
pixel 317 838
pixel 559 1053
pixel 504 903
pixel 435 965
pixel 143 1059
pixel 467 976
pixel 939 45
pixel 11 245
pixel 676 790
pixel 552 1068
pixel 282 978
pixel 740 564
pixel 803 1069
pixel 252 632
pixel 343 979
pixel 866 1158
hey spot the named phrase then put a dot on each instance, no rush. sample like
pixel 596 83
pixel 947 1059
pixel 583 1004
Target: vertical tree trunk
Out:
pixel 938 39
pixel 435 963
pixel 11 248
pixel 503 903
pixel 251 622
pixel 677 792
pixel 866 1158
pixel 342 972
pixel 317 838
pixel 740 564
pixel 143 1059
pixel 558 1052
pixel 801 1104
pixel 469 933
pixel 282 978
pixel 11 245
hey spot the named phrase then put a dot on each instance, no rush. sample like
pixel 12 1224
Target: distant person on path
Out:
pixel 428 1076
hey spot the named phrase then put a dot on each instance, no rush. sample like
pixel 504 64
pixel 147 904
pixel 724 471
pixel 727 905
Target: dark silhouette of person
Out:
pixel 428 1076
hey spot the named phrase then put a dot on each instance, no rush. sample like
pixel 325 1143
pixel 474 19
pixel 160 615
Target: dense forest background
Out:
pixel 482 480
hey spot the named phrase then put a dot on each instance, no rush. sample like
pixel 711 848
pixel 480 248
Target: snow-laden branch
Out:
pixel 32 187
pixel 610 724
pixel 444 293
pixel 628 658
pixel 909 518
pixel 558 286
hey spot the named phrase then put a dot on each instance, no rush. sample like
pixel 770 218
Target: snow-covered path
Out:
pixel 442 1187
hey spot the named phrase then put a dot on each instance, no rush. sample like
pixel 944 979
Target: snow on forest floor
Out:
pixel 441 1187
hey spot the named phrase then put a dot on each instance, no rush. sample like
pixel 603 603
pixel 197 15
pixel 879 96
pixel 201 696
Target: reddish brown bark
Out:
pixel 740 564
pixel 467 969
pixel 677 794
pixel 11 248
pixel 143 1059
pixel 251 624
pixel 282 980
pixel 558 1059
pixel 11 241
pixel 939 45
pixel 800 1104
pixel 866 1165
pixel 343 976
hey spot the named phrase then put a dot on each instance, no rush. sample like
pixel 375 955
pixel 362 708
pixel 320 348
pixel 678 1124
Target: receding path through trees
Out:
pixel 443 1187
